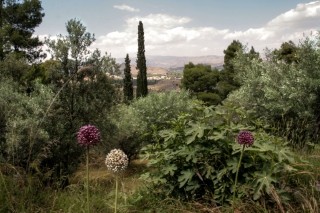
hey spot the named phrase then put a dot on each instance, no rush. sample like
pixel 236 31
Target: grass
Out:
pixel 20 193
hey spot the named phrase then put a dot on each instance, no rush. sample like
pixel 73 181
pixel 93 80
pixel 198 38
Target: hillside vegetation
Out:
pixel 241 139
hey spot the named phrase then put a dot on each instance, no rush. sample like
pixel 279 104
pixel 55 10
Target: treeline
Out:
pixel 282 88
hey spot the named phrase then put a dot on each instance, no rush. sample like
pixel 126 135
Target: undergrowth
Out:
pixel 19 193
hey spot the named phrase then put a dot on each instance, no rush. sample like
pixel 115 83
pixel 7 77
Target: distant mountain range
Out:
pixel 151 70
pixel 178 62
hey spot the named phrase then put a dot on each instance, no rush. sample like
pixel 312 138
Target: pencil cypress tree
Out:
pixel 127 81
pixel 142 83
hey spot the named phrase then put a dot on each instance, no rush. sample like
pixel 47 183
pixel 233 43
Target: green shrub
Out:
pixel 277 91
pixel 209 98
pixel 24 137
pixel 197 157
pixel 144 114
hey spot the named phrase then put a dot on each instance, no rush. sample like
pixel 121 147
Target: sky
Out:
pixel 183 27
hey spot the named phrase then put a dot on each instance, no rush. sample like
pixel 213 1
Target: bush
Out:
pixel 24 134
pixel 209 98
pixel 197 157
pixel 144 114
pixel 277 91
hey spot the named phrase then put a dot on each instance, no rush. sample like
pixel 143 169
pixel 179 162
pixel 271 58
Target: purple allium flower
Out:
pixel 245 138
pixel 116 160
pixel 318 185
pixel 88 136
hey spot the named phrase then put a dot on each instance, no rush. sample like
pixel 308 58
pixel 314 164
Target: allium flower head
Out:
pixel 88 136
pixel 116 160
pixel 245 138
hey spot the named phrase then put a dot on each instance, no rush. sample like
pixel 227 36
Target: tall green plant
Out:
pixel 197 156
pixel 127 81
pixel 142 82
pixel 85 93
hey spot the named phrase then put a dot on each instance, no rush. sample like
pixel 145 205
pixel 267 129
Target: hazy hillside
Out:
pixel 150 70
pixel 171 62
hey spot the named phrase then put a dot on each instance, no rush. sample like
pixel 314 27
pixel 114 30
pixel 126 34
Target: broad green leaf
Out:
pixel 168 134
pixel 145 176
pixel 192 186
pixel 158 179
pixel 196 128
pixel 169 169
pixel 216 136
pixel 191 153
pixel 185 177
pixel 233 164
pixel 208 171
pixel 154 161
pixel 285 153
pixel 261 183
pixel 190 138
pixel 237 126
pixel 260 146
pixel 221 173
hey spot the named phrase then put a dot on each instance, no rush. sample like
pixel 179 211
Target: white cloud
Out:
pixel 251 34
pixel 126 7
pixel 302 17
pixel 290 25
pixel 162 33
pixel 204 49
pixel 170 35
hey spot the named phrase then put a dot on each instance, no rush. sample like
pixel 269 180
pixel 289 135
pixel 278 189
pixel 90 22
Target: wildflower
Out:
pixel 116 160
pixel 245 138
pixel 88 136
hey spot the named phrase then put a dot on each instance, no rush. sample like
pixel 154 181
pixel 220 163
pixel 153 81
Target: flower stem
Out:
pixel 116 198
pixel 88 204
pixel 236 180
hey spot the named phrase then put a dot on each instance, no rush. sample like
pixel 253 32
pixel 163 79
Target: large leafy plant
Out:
pixel 197 156
pixel 145 114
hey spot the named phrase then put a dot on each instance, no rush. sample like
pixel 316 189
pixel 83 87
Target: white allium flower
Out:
pixel 116 160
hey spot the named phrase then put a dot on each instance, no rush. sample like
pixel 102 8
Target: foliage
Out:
pixel 142 83
pixel 227 81
pixel 36 71
pixel 229 54
pixel 14 68
pixel 144 114
pixel 17 23
pixel 213 86
pixel 127 81
pixel 199 78
pixel 85 93
pixel 209 98
pixel 287 52
pixel 198 156
pixel 202 80
pixel 277 91
pixel 24 136
pixel 20 193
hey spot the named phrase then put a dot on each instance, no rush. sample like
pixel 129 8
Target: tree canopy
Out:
pixel 202 81
pixel 17 24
